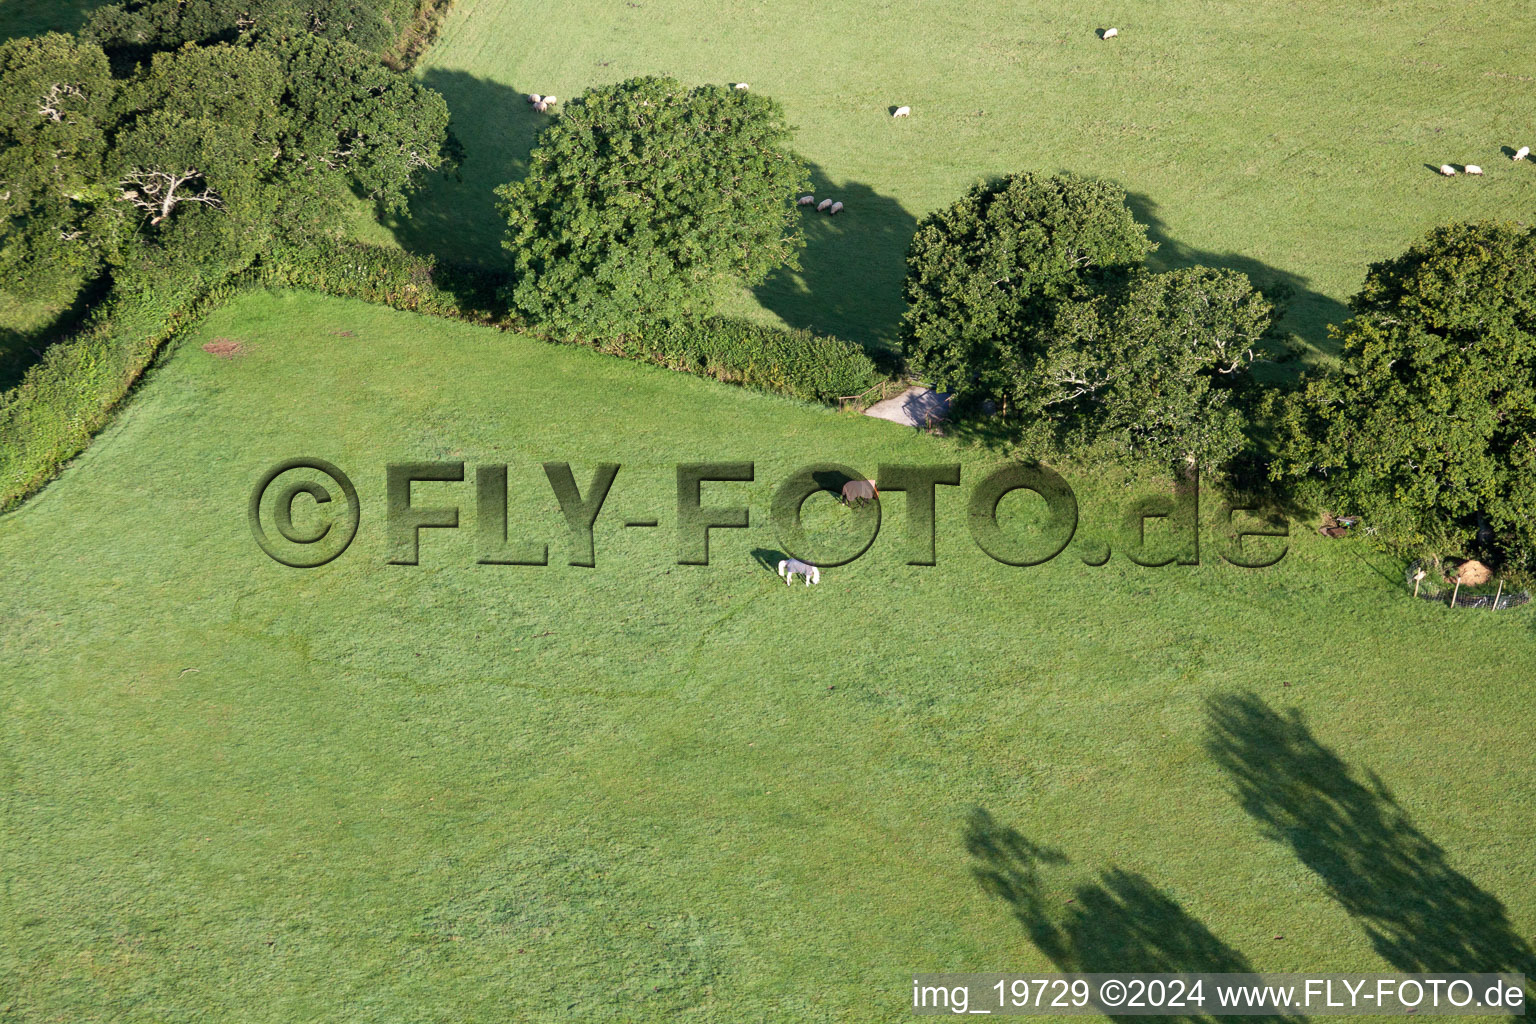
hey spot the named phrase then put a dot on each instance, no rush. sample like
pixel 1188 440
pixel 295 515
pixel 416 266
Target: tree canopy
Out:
pixel 203 153
pixel 55 219
pixel 986 272
pixel 644 197
pixel 1147 369
pixel 1428 426
pixel 1031 290
pixel 137 27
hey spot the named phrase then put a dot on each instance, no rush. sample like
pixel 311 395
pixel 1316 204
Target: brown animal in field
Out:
pixel 860 490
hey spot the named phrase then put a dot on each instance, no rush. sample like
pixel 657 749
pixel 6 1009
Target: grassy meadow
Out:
pixel 1294 142
pixel 646 791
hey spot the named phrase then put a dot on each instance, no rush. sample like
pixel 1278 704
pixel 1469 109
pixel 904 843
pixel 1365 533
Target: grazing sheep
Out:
pixel 1522 153
pixel 742 86
pixel 550 100
pixel 823 206
pixel 1448 170
pixel 792 567
pixel 1110 33
pixel 541 107
pixel 834 209
pixel 534 97
pixel 806 200
pixel 902 112
pixel 1474 169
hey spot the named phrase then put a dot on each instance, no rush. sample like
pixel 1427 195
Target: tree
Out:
pixel 55 216
pixel 351 123
pixel 1428 425
pixel 220 147
pixel 197 151
pixel 985 274
pixel 643 197
pixel 1148 369
pixel 137 28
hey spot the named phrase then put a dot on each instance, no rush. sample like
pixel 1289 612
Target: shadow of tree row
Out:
pixel 1421 914
pixel 1120 923
pixel 1308 312
pixel 849 282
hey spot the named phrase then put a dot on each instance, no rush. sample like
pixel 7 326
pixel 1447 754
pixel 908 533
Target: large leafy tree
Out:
pixel 643 197
pixel 196 149
pixel 352 124
pixel 55 209
pixel 220 147
pixel 1149 368
pixel 138 27
pixel 1428 426
pixel 984 274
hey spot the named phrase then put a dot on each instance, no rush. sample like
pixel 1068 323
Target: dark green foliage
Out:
pixel 56 216
pixel 643 198
pixel 985 273
pixel 801 364
pixel 1148 369
pixel 351 123
pixel 137 27
pixel 196 152
pixel 1428 424
pixel 277 137
pixel 200 157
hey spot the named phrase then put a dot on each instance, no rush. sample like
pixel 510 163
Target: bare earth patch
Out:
pixel 1473 573
pixel 225 348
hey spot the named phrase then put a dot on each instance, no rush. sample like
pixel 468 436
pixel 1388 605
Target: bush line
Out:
pixel 64 399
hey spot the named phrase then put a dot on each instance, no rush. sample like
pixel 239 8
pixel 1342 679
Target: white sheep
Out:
pixel 743 86
pixel 1448 170
pixel 1110 33
pixel 834 209
pixel 550 101
pixel 824 206
pixel 1474 169
pixel 806 200
pixel 1522 152
pixel 541 107
pixel 902 112
pixel 534 97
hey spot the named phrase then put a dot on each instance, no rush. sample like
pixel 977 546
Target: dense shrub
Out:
pixel 802 364
pixel 790 362
pixel 66 397
pixel 1426 426
pixel 643 198
pixel 985 273
pixel 136 27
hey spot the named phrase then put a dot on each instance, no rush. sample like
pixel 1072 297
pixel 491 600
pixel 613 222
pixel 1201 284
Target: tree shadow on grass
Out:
pixel 851 269
pixel 454 216
pixel 1308 312
pixel 1422 915
pixel 1118 923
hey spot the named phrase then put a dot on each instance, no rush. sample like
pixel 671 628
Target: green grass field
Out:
pixel 645 791
pixel 1289 141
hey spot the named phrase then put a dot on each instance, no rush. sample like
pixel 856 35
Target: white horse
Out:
pixel 791 567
